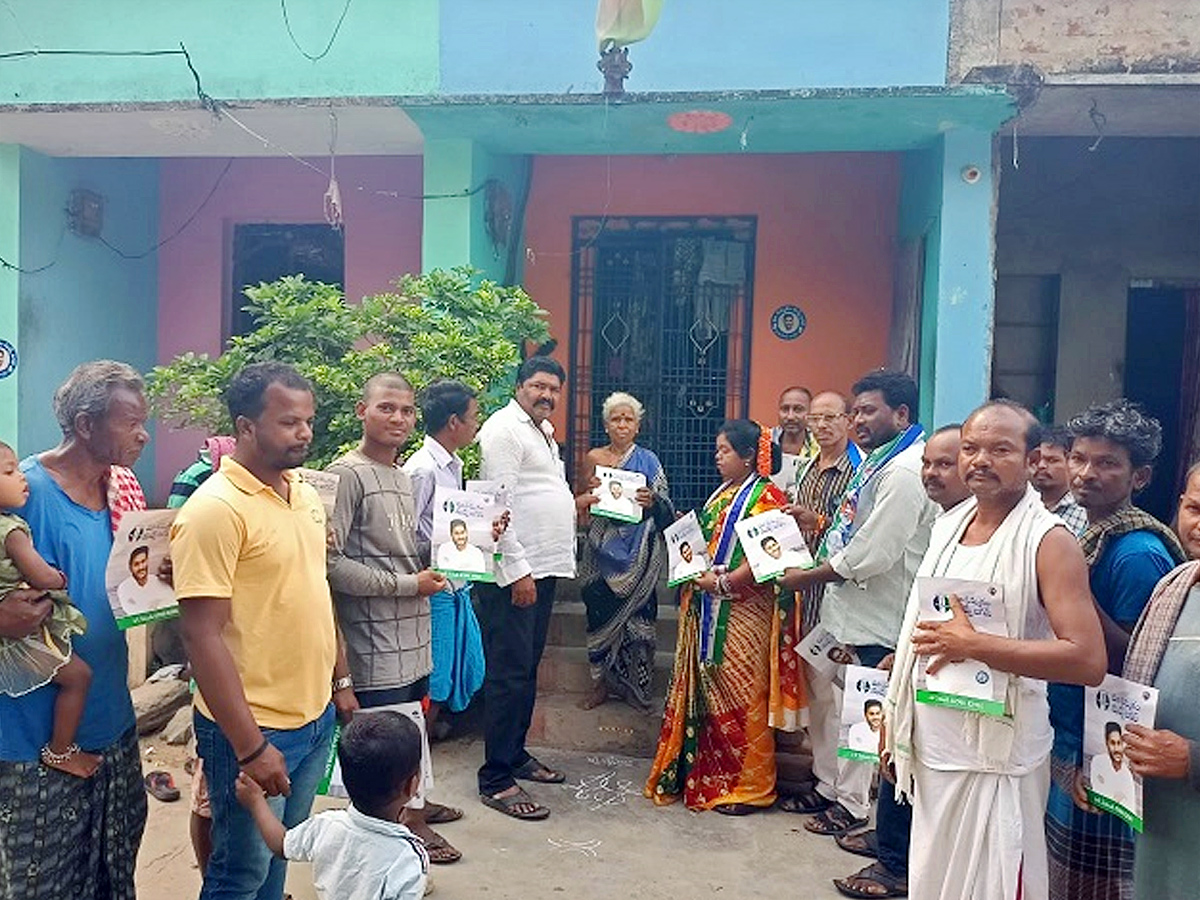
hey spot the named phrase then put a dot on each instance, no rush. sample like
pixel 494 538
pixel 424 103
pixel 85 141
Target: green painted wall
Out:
pixel 10 279
pixel 241 49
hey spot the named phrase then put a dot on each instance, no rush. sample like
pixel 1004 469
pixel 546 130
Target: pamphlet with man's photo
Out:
pixel 1108 710
pixel 862 713
pixel 969 685
pixel 137 591
pixel 687 551
pixel 772 543
pixel 617 494
pixel 462 544
pixel 825 653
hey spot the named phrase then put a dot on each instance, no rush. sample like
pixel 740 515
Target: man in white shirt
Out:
pixel 139 592
pixel 617 501
pixel 864 735
pixel 1110 774
pixel 689 564
pixel 868 559
pixel 519 452
pixel 458 555
pixel 781 559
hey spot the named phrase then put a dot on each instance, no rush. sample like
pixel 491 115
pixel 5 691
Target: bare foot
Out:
pixel 73 761
pixel 596 697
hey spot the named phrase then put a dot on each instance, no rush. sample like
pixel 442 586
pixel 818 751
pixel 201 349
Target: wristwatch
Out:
pixel 343 683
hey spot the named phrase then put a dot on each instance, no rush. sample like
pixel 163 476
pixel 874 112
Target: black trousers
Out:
pixel 893 826
pixel 513 640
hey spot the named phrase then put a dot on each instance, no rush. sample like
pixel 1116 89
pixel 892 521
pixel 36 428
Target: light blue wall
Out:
pixel 524 47
pixel 91 303
pixel 10 278
pixel 921 216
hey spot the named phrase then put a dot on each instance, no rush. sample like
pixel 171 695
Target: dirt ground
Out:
pixel 603 840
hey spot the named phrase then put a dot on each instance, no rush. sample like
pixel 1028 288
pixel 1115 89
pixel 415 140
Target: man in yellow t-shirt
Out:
pixel 248 550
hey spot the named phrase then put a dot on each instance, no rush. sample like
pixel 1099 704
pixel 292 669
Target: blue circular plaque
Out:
pixel 788 322
pixel 8 359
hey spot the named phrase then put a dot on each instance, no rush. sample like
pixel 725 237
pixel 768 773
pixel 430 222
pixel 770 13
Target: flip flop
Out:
pixel 877 874
pixel 736 809
pixel 834 821
pixel 862 843
pixel 536 772
pixel 441 852
pixel 161 786
pixel 440 814
pixel 508 806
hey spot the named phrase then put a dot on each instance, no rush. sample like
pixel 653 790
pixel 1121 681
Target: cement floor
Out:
pixel 603 840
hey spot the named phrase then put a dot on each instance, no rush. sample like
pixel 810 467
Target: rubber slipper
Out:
pixel 440 814
pixel 736 809
pixel 877 874
pixel 804 802
pixel 834 821
pixel 862 843
pixel 508 806
pixel 441 852
pixel 161 786
pixel 535 771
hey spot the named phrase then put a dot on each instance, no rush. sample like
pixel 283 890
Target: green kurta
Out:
pixel 1165 862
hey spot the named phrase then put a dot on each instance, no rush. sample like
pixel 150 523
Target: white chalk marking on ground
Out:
pixel 604 789
pixel 587 848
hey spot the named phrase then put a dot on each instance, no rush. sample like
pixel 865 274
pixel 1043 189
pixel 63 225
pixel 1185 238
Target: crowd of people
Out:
pixel 298 624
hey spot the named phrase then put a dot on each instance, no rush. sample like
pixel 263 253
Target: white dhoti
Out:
pixel 978 835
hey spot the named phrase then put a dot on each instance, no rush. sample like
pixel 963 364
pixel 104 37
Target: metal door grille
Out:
pixel 658 311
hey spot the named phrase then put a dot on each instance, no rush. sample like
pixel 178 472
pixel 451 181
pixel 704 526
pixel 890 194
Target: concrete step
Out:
pixel 565 669
pixel 613 727
pixel 568 624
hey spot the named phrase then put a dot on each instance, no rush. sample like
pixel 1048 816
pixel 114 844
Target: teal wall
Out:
pixel 241 49
pixel 10 279
pixel 91 303
pixel 920 216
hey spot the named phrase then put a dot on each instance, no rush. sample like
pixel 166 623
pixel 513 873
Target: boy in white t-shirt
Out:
pixel 361 852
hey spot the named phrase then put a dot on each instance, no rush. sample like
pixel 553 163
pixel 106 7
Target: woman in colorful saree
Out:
pixel 623 564
pixel 733 677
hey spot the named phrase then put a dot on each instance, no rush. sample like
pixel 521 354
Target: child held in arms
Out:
pixel 362 851
pixel 46 656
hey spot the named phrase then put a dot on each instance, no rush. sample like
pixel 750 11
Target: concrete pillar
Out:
pixel 962 306
pixel 455 231
pixel 10 282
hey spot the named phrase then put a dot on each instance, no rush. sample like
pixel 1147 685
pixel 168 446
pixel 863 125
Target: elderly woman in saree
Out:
pixel 623 564
pixel 734 677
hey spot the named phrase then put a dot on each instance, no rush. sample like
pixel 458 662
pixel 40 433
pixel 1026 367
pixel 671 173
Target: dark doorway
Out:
pixel 1154 344
pixel 661 309
pixel 268 252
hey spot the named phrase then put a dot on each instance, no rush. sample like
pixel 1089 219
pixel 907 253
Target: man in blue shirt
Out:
pixel 65 836
pixel 1113 448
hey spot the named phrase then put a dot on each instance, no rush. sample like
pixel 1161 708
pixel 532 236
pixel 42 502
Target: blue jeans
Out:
pixel 242 867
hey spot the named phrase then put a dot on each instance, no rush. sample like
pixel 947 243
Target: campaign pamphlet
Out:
pixel 135 592
pixel 1108 710
pixel 824 652
pixel 687 550
pixel 462 534
pixel 772 543
pixel 862 713
pixel 617 494
pixel 969 685
pixel 331 783
pixel 325 484
pixel 486 486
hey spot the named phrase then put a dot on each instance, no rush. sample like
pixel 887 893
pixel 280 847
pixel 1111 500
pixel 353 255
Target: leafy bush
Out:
pixel 440 324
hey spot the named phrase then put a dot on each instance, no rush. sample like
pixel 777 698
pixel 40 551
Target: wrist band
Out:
pixel 262 748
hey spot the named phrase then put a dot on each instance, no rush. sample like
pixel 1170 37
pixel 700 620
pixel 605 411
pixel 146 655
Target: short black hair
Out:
pixel 379 753
pixel 898 389
pixel 244 395
pixel 138 551
pixel 393 380
pixel 1055 436
pixel 683 544
pixel 536 364
pixel 946 429
pixel 441 400
pixel 454 522
pixel 1110 727
pixel 1125 424
pixel 743 435
pixel 872 702
pixel 1033 430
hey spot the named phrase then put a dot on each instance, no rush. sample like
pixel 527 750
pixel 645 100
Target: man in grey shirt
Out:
pixel 868 560
pixel 380 589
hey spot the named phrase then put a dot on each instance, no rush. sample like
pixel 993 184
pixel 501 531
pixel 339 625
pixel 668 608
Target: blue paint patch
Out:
pixel 788 322
pixel 8 359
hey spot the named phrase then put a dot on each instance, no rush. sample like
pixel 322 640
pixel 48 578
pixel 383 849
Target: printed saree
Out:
pixel 716 744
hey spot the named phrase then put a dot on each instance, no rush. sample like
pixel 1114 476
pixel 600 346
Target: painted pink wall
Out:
pixel 383 241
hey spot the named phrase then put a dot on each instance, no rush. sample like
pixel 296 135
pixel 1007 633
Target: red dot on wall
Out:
pixel 699 121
